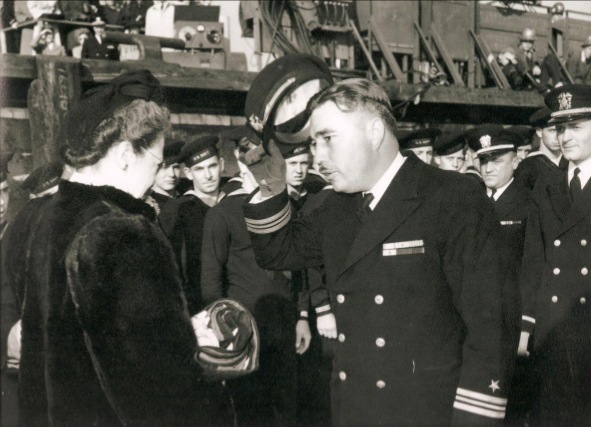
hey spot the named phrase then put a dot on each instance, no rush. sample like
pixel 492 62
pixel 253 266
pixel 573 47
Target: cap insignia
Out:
pixel 564 101
pixel 485 141
pixel 255 123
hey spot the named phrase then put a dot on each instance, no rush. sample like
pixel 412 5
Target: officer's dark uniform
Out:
pixel 555 280
pixel 536 164
pixel 182 221
pixel 416 293
pixel 92 49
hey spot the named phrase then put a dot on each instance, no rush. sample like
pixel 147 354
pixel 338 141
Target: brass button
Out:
pixel 554 298
pixel 584 271
pixel 583 300
pixel 556 271
pixel 380 342
pixel 341 298
pixel 583 242
pixel 342 376
pixel 342 337
pixel 381 384
pixel 379 299
pixel 556 242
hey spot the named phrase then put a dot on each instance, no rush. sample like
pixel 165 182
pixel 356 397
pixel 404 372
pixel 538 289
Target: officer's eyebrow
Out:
pixel 323 132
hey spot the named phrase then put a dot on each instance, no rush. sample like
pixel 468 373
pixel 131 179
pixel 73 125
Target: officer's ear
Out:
pixel 222 164
pixel 515 162
pixel 539 132
pixel 187 172
pixel 375 132
pixel 437 159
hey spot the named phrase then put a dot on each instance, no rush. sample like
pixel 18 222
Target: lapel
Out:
pixel 578 210
pixel 558 195
pixel 508 201
pixel 343 229
pixel 398 202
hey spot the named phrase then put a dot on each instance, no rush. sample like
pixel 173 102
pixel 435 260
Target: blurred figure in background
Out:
pixel 45 43
pixel 420 142
pixel 450 152
pixel 579 66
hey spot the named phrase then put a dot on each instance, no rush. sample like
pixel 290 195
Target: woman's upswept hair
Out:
pixel 357 95
pixel 139 122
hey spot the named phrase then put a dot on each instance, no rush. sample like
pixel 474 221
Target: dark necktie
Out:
pixel 365 209
pixel 492 195
pixel 575 186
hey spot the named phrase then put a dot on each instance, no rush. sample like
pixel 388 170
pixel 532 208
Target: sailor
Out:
pixel 450 151
pixel 419 142
pixel 549 159
pixel 525 144
pixel 167 177
pixel 203 166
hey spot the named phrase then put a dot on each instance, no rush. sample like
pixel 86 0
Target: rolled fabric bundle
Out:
pixel 228 340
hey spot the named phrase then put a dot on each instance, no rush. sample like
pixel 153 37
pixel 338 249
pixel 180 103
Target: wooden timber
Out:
pixel 23 69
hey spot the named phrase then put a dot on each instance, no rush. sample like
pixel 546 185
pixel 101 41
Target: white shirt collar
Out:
pixel 584 175
pixel 383 183
pixel 500 191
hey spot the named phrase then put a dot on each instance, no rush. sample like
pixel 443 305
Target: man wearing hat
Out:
pixel 524 145
pixel 185 216
pixel 419 142
pixel 548 160
pixel 44 180
pixel 411 263
pixel 579 66
pixel 95 47
pixel 555 281
pixel 230 270
pixel 536 74
pixel 167 177
pixel 450 151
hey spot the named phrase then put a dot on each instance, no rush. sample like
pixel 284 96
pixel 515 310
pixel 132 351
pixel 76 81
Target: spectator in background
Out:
pixel 579 66
pixel 45 44
pixel 110 11
pixel 95 47
pixel 160 19
pixel 508 63
pixel 133 12
pixel 76 10
pixel 535 74
pixel 82 35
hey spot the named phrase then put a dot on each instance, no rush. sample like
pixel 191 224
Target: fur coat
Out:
pixel 107 339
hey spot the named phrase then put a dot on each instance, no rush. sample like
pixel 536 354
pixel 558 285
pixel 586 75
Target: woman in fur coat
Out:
pixel 107 339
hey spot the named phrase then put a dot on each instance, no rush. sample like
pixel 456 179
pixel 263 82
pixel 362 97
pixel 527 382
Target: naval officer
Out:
pixel 411 262
pixel 556 284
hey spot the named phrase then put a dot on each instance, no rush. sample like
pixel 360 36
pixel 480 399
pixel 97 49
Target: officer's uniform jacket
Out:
pixel 512 208
pixel 416 292
pixel 92 49
pixel 555 279
pixel 536 165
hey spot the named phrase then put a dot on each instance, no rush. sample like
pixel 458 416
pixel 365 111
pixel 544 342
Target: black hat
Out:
pixel 44 177
pixel 418 138
pixel 199 150
pixel 239 132
pixel 172 151
pixel 291 150
pixel 278 79
pixel 492 140
pixel 449 143
pixel 526 133
pixel 540 118
pixel 4 166
pixel 569 102
pixel 99 102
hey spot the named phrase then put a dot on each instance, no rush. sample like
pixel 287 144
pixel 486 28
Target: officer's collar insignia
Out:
pixel 485 141
pixel 564 101
pixel 255 123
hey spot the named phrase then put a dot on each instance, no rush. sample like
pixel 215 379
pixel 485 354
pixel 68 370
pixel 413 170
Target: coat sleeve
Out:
pixel 10 313
pixel 128 299
pixel 280 242
pixel 471 266
pixel 532 266
pixel 214 256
